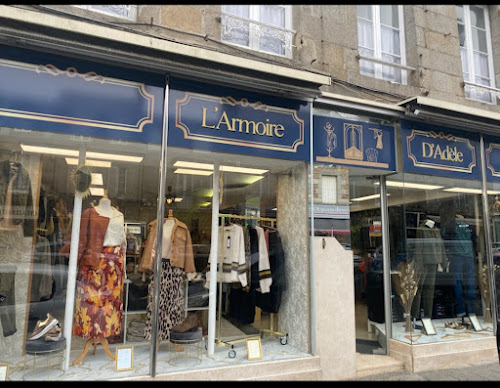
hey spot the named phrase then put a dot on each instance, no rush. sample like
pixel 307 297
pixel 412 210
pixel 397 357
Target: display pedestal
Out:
pixel 185 348
pixel 46 359
pixel 95 342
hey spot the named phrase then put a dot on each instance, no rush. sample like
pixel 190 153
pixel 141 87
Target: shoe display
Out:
pixel 43 327
pixel 454 325
pixel 54 334
pixel 191 322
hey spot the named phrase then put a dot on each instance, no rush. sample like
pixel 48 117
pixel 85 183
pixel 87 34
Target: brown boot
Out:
pixel 189 323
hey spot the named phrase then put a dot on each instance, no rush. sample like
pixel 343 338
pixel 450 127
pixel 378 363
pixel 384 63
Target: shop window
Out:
pixel 122 11
pixel 476 54
pixel 329 189
pixel 263 28
pixel 381 42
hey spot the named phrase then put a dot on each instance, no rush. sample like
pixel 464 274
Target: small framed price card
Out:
pixel 428 326
pixel 254 349
pixel 124 359
pixel 4 372
pixel 475 323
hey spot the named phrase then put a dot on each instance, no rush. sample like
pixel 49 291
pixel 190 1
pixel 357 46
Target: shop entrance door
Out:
pixel 366 226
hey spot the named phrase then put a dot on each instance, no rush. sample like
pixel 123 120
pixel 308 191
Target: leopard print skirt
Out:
pixel 171 304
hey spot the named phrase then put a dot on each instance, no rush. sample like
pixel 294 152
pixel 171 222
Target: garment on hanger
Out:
pixel 41 280
pixel 16 199
pixel 264 268
pixel 231 256
pixel 271 302
pixel 242 303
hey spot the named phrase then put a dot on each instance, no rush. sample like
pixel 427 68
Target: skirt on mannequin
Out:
pixel 171 306
pixel 99 296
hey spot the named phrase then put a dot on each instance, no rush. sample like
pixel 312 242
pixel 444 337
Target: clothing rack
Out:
pixel 283 336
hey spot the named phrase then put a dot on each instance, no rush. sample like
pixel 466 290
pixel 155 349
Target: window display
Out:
pixel 444 243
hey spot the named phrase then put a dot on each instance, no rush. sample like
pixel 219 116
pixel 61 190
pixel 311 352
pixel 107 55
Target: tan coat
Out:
pixel 181 247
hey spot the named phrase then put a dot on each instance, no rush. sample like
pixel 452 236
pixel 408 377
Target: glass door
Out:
pixel 366 244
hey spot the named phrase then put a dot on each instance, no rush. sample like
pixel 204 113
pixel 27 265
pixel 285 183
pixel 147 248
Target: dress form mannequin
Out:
pixel 105 209
pixel 104 206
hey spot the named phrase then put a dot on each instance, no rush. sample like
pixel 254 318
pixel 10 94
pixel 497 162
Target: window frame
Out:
pixel 468 46
pixel 377 59
pixel 253 35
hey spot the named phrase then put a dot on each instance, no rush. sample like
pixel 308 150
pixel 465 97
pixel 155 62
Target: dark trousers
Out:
pixel 462 268
pixel 425 291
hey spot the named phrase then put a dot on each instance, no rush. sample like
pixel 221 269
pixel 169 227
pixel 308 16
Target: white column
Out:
pixel 212 302
pixel 73 256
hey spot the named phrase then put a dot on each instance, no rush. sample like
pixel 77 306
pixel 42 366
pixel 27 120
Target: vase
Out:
pixel 408 325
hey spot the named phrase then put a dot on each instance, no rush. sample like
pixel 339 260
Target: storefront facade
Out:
pixel 238 168
pixel 416 205
pixel 93 142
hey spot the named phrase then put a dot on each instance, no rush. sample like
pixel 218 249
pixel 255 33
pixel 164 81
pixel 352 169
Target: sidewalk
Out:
pixel 486 371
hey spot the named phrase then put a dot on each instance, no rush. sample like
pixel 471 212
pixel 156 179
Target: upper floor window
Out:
pixel 381 42
pixel 475 50
pixel 259 27
pixel 128 12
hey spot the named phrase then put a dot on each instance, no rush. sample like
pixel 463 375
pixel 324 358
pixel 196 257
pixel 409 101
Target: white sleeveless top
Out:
pixel 166 241
pixel 115 234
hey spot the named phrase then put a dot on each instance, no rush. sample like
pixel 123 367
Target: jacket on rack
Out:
pixel 22 199
pixel 231 256
pixel 264 268
pixel 181 247
pixel 270 302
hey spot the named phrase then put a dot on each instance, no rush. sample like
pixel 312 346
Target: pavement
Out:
pixel 484 371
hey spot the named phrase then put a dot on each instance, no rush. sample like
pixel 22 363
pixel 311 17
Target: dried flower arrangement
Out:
pixel 406 284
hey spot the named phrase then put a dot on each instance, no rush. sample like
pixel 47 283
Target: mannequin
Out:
pixel 104 206
pixel 462 253
pixel 176 260
pixel 100 272
pixel 429 255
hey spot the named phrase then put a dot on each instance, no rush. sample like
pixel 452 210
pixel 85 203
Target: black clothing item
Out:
pixel 270 302
pixel 22 199
pixel 242 305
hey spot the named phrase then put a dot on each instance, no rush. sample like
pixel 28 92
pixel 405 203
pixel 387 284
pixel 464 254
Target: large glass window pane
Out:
pixel 365 11
pixel 461 35
pixel 390 41
pixel 273 15
pixel 479 40
pixel 481 66
pixel 437 248
pixel 389 15
pixel 477 17
pixel 460 14
pixel 119 179
pixel 365 34
pixel 237 10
